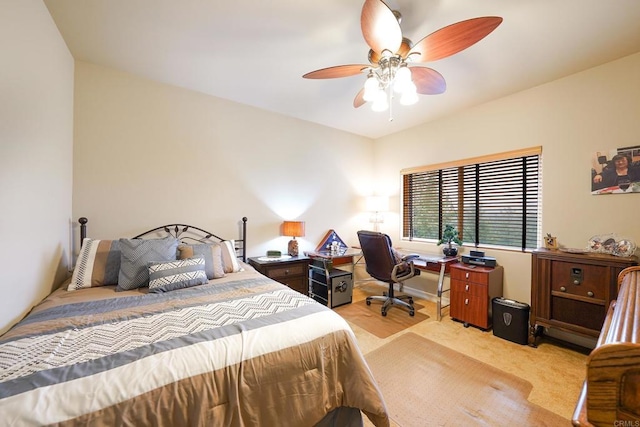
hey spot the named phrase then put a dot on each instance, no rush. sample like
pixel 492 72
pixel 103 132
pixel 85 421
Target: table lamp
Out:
pixel 293 229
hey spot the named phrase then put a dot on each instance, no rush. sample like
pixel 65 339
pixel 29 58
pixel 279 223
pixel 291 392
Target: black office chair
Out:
pixel 382 265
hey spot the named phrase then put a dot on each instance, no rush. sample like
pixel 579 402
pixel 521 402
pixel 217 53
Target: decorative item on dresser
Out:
pixel 571 291
pixel 472 289
pixel 611 392
pixel 292 272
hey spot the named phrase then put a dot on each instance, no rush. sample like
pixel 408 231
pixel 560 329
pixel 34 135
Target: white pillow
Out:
pixel 229 257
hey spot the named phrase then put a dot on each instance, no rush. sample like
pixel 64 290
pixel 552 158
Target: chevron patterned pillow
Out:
pixel 178 274
pixel 136 254
pixel 98 264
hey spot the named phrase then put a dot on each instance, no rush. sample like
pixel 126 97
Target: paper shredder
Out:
pixel 510 320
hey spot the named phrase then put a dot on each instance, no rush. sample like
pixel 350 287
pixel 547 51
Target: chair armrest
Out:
pixel 404 274
pixel 409 257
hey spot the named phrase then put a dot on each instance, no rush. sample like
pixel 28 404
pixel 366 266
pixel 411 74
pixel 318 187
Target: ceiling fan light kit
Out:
pixel 390 55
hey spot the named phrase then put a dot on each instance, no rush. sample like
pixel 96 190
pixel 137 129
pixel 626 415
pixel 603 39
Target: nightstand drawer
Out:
pixel 292 272
pixel 285 271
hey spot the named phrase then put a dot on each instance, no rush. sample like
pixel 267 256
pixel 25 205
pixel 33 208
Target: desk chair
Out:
pixel 382 265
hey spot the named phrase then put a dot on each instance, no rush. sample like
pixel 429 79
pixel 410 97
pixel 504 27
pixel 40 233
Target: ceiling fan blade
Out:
pixel 380 26
pixel 359 101
pixel 453 38
pixel 428 81
pixel 337 71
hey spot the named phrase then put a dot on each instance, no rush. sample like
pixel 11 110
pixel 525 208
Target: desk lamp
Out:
pixel 293 229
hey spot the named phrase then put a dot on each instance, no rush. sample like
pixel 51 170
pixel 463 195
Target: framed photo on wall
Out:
pixel 616 171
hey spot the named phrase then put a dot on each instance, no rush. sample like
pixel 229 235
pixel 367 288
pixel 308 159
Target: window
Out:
pixel 492 200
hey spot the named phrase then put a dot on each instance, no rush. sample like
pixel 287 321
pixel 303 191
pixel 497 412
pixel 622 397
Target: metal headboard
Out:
pixel 186 233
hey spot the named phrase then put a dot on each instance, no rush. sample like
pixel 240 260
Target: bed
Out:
pixel 235 349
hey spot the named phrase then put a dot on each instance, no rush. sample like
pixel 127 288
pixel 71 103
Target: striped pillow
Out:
pixel 179 274
pixel 212 254
pixel 98 264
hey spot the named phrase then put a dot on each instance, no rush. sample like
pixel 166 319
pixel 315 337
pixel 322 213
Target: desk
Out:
pixel 437 264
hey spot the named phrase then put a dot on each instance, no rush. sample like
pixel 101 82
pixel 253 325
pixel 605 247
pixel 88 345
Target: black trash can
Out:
pixel 510 320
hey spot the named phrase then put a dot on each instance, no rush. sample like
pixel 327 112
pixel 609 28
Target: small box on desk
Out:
pixel 510 320
pixel 340 284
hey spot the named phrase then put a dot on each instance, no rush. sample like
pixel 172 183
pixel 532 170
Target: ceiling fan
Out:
pixel 390 54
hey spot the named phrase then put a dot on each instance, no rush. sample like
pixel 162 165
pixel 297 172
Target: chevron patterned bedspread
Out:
pixel 240 351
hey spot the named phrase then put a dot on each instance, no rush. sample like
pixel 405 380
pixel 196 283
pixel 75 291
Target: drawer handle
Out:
pixel 466 276
pixel 576 282
pixel 563 289
pixel 466 288
pixel 466 301
pixel 286 272
pixel 590 293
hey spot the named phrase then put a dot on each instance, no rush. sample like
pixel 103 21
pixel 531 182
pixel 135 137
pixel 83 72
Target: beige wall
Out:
pixel 570 118
pixel 148 154
pixel 36 125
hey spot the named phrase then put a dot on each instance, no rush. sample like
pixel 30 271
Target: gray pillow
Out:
pixel 136 254
pixel 178 274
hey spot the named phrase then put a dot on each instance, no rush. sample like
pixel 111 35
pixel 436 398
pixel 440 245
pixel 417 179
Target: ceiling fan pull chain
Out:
pixel 390 90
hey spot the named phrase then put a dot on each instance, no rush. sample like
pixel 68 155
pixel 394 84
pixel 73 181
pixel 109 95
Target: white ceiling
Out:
pixel 255 52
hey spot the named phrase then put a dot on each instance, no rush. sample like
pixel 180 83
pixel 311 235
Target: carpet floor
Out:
pixel 427 384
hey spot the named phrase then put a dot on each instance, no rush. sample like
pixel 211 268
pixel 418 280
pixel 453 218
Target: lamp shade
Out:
pixel 377 204
pixel 293 228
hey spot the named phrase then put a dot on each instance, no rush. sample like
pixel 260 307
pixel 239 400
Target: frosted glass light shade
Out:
pixel 371 87
pixel 377 204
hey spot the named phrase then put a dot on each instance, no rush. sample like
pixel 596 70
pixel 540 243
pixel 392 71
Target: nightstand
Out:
pixel 293 272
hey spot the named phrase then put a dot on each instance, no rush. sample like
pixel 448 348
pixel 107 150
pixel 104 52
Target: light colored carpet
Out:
pixel 369 318
pixel 427 384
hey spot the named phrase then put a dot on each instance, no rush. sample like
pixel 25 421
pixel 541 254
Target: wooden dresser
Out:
pixel 611 392
pixel 292 272
pixel 571 292
pixel 472 289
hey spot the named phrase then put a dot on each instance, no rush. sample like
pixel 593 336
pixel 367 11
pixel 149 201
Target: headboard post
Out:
pixel 83 229
pixel 244 239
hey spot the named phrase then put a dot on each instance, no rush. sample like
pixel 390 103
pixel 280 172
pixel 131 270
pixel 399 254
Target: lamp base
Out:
pixel 293 247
